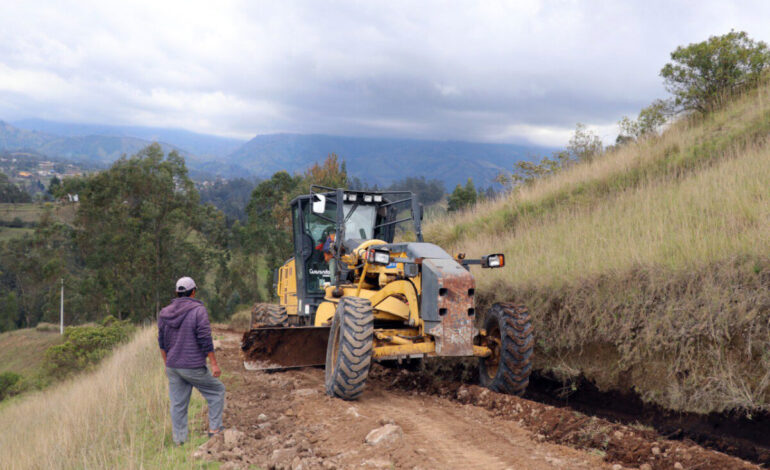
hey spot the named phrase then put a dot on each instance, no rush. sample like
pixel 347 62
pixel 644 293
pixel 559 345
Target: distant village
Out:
pixel 33 172
pixel 21 167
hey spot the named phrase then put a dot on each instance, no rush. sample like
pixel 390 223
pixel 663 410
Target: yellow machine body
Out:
pixel 352 295
pixel 394 297
pixel 286 287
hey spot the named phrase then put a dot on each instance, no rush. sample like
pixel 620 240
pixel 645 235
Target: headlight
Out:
pixel 378 257
pixel 378 198
pixel 352 197
pixel 368 198
pixel 493 261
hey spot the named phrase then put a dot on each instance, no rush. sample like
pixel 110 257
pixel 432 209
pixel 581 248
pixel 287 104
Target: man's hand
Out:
pixel 163 355
pixel 215 370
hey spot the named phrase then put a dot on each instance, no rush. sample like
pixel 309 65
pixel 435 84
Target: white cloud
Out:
pixel 492 70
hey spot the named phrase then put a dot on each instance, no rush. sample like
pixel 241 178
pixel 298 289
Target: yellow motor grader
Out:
pixel 350 295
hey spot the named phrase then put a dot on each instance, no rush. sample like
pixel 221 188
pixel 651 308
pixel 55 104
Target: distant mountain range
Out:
pixel 200 145
pixel 382 160
pixel 88 148
pixel 373 160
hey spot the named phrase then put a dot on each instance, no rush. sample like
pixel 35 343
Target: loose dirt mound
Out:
pixel 410 420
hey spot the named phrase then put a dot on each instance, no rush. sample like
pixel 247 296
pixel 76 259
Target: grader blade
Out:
pixel 278 348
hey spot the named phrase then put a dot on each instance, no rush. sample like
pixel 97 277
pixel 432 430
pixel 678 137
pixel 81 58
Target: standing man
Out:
pixel 184 336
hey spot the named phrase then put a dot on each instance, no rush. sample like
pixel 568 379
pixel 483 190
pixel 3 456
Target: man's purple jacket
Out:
pixel 184 332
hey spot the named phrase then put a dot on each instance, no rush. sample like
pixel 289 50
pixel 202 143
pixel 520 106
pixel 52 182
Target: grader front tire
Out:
pixel 269 315
pixel 349 352
pixel 510 337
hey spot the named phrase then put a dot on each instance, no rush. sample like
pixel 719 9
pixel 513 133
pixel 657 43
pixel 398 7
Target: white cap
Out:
pixel 185 284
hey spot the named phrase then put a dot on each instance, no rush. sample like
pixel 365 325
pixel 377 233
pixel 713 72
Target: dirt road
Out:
pixel 408 420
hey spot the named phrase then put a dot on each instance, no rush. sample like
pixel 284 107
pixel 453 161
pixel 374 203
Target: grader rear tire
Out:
pixel 510 337
pixel 269 315
pixel 349 352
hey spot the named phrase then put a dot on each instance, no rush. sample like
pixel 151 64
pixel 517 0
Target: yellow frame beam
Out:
pixel 428 347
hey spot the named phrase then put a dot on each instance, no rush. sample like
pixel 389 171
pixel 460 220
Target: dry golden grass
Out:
pixel 685 146
pixel 240 320
pixel 720 212
pixel 114 417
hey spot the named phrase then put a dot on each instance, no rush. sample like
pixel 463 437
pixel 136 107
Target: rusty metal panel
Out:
pixel 454 306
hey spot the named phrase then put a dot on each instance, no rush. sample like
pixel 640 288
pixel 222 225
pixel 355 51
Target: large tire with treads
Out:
pixel 349 352
pixel 269 315
pixel 511 339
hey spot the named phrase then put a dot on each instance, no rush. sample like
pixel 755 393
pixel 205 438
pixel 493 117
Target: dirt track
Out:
pixel 442 425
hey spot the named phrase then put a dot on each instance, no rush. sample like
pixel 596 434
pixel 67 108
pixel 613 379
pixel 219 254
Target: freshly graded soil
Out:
pixel 284 420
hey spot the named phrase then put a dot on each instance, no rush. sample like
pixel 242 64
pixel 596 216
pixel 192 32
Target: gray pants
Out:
pixel 180 384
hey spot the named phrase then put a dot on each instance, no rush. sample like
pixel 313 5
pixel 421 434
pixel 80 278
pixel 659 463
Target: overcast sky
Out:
pixel 523 71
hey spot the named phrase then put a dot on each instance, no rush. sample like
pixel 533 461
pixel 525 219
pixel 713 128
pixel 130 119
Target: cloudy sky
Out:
pixel 517 71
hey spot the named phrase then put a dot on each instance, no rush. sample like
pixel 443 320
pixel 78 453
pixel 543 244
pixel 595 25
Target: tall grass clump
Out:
pixel 240 320
pixel 113 417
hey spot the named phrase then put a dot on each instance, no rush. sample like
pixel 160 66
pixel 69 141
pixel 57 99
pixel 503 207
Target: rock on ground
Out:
pixel 385 435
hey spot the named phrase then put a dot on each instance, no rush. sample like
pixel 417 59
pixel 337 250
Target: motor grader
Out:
pixel 370 299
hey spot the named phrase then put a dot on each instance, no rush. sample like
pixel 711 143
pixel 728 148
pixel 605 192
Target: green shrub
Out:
pixel 86 345
pixel 9 384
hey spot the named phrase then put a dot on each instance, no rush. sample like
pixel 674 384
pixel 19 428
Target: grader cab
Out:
pixel 350 295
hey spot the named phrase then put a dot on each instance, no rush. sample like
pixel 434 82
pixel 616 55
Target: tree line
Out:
pixel 138 227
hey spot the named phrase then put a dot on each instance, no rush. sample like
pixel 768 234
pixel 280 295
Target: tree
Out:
pixel 702 75
pixel 137 230
pixel 648 123
pixel 584 145
pixel 463 197
pixel 428 192
pixel 9 192
pixel 268 231
pixel 53 185
pixel 229 196
pixel 331 173
pixel 31 267
pixel 73 185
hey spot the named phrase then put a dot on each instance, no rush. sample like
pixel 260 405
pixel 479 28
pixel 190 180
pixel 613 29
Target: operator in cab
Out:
pixel 327 248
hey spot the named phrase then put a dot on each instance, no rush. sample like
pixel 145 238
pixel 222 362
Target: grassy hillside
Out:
pixel 29 214
pixel 114 417
pixel 648 269
pixel 22 351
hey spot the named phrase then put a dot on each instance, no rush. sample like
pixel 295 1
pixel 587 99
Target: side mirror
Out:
pixel 319 204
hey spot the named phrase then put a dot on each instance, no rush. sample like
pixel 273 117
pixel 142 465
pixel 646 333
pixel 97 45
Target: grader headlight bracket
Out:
pixel 493 261
pixel 496 260
pixel 378 256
